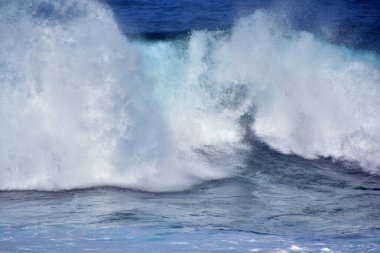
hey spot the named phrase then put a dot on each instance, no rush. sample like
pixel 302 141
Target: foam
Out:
pixel 312 98
pixel 82 106
pixel 78 108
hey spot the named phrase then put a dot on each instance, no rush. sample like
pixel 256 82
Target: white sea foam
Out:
pixel 82 106
pixel 78 109
pixel 312 98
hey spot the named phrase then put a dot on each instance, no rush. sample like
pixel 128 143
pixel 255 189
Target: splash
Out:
pixel 308 97
pixel 312 98
pixel 83 106
pixel 78 106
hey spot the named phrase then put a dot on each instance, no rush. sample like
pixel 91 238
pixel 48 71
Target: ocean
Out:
pixel 189 126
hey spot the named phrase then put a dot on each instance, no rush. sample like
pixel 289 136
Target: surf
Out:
pixel 84 105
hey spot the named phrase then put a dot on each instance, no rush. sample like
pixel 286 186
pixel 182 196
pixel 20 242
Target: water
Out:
pixel 192 126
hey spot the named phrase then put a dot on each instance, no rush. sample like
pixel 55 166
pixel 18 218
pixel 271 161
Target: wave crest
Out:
pixel 83 106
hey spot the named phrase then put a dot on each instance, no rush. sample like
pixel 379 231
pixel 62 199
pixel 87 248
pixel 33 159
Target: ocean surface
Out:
pixel 189 126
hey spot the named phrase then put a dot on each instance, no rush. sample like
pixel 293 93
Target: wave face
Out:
pixel 82 106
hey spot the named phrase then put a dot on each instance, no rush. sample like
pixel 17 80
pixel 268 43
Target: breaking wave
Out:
pixel 82 105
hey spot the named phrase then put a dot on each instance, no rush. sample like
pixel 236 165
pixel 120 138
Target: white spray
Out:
pixel 82 106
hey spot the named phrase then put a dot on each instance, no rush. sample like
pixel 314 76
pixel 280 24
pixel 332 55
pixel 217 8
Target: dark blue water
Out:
pixel 190 126
pixel 353 23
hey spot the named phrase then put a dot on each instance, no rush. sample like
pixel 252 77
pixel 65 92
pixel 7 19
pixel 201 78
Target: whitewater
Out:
pixel 189 126
pixel 83 107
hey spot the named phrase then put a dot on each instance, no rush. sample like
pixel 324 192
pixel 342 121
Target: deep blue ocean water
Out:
pixel 190 126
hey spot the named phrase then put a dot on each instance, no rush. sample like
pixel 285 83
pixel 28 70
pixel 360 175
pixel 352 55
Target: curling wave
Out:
pixel 81 105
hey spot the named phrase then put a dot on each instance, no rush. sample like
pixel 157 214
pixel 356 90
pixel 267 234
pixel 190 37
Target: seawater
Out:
pixel 189 126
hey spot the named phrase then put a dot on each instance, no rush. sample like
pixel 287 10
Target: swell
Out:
pixel 83 105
